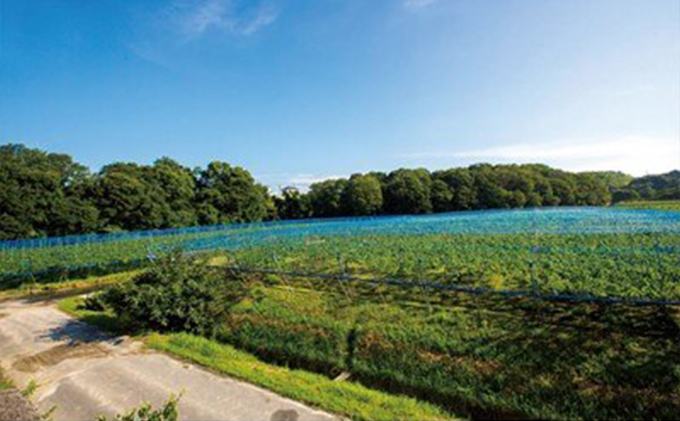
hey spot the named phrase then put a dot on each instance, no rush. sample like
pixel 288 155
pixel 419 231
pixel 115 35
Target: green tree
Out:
pixel 39 194
pixel 363 195
pixel 408 191
pixel 441 196
pixel 230 194
pixel 128 198
pixel 326 198
pixel 179 192
pixel 292 204
pixel 461 183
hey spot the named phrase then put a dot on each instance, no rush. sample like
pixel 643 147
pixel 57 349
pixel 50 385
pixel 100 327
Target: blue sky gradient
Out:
pixel 298 91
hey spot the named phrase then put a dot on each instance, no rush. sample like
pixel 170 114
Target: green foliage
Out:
pixel 230 194
pixel 612 179
pixel 349 399
pixel 94 302
pixel 670 205
pixel 624 265
pixel 40 194
pixel 651 187
pixel 482 356
pixel 344 398
pixel 408 191
pixel 288 326
pixel 363 195
pixel 481 186
pixel 531 362
pixel 128 198
pixel 442 196
pixel 30 389
pixel 167 412
pixel 486 357
pixel 292 204
pixel 45 194
pixel 175 294
pixel 326 198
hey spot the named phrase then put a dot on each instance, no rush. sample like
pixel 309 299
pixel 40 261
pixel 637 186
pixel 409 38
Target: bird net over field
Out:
pixel 578 252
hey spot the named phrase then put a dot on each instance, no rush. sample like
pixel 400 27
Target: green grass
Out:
pixel 295 334
pixel 105 321
pixel 622 265
pixel 77 286
pixel 490 357
pixel 126 253
pixel 483 357
pixel 5 383
pixel 344 398
pixel 341 397
pixel 669 205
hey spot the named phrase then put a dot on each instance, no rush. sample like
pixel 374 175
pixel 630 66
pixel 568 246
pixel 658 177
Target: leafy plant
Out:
pixel 145 412
pixel 177 293
pixel 94 302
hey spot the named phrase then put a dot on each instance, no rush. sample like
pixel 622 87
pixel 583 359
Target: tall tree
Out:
pixel 363 195
pixel 230 194
pixel 128 198
pixel 179 192
pixel 292 204
pixel 441 196
pixel 39 194
pixel 408 191
pixel 326 198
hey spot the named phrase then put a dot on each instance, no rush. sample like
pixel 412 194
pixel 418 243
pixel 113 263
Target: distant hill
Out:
pixel 651 187
pixel 612 179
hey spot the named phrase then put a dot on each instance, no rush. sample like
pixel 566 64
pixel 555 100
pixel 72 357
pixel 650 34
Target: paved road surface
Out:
pixel 86 373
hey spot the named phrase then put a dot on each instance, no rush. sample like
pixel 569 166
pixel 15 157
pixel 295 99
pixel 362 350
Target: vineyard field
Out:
pixel 586 251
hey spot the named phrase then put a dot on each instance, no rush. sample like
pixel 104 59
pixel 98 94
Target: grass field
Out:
pixel 623 265
pixel 484 356
pixel 341 397
pixel 551 242
pixel 494 358
pixel 670 205
pixel 628 265
pixel 479 356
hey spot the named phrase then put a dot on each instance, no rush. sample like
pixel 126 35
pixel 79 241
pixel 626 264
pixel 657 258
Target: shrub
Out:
pixel 168 412
pixel 176 294
pixel 94 302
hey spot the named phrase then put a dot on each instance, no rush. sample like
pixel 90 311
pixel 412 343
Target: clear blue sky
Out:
pixel 299 90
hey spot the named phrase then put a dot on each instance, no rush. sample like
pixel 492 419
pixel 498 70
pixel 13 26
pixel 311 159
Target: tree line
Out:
pixel 419 191
pixel 49 194
pixel 650 187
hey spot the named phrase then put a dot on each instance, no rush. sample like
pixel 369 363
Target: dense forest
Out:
pixel 49 194
pixel 650 187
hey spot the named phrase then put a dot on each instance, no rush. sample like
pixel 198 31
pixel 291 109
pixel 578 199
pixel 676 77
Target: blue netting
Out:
pixel 642 261
pixel 538 221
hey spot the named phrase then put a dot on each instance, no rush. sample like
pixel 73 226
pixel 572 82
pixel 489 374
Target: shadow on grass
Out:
pixel 59 274
pixel 539 359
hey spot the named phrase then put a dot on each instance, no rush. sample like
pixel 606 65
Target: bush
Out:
pixel 94 302
pixel 176 294
pixel 168 412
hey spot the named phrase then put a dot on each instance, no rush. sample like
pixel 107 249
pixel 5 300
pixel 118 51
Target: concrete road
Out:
pixel 86 373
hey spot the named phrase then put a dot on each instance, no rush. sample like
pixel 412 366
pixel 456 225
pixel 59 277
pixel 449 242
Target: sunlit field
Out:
pixel 587 251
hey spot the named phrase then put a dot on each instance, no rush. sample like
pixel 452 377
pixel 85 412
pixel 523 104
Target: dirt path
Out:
pixel 86 373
